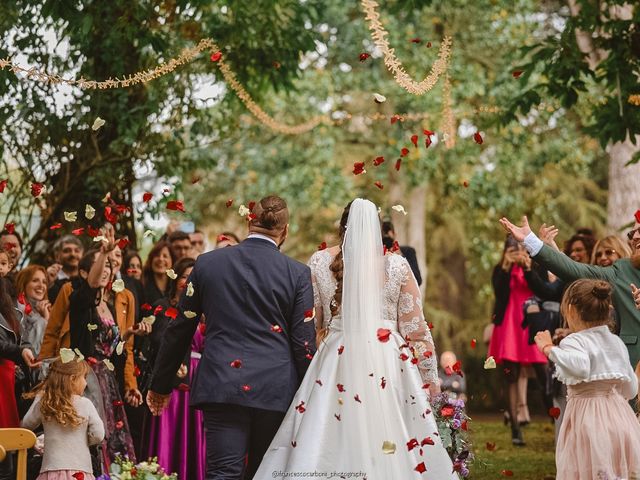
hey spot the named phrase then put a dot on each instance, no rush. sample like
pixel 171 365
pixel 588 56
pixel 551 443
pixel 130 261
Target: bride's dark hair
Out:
pixel 337 266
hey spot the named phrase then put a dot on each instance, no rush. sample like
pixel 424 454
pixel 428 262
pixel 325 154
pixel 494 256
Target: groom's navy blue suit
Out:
pixel 258 346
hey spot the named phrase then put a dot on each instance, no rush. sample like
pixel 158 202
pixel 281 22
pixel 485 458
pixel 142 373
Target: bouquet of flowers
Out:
pixel 124 469
pixel 452 427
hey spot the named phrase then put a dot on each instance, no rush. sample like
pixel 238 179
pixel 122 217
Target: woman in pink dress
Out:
pixel 509 343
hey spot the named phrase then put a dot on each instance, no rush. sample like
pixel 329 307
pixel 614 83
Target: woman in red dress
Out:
pixel 11 352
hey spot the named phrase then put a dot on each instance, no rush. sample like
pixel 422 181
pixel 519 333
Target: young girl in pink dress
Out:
pixel 600 435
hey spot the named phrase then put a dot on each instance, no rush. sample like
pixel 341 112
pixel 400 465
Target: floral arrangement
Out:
pixel 452 424
pixel 124 469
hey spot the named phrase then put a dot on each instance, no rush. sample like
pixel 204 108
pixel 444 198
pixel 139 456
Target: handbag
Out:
pixel 540 316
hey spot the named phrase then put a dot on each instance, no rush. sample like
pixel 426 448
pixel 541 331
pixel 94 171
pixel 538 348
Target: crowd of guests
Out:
pixel 573 317
pixel 107 306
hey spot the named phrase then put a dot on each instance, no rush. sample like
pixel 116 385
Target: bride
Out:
pixel 362 410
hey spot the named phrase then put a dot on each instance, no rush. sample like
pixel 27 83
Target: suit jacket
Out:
pixel 620 275
pixel 258 340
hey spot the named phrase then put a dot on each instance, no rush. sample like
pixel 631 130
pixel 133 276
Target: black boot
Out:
pixel 516 437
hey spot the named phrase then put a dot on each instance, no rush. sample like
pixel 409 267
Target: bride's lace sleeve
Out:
pixel 317 303
pixel 413 327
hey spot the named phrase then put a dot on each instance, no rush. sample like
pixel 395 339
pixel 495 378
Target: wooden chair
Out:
pixel 20 439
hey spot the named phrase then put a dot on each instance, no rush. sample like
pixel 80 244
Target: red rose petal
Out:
pixel 78 475
pixel 398 164
pixel 36 189
pixel 383 383
pixel 236 363
pixel 414 140
pixel 251 206
pixel 340 349
pixel 123 242
pixel 340 387
pixel 146 306
pixel 420 468
pixel 554 412
pixel 473 343
pixel 300 407
pixel 171 312
pixel 229 202
pixel 363 56
pixel 147 196
pixel 246 388
pixel 507 473
pixel 637 216
pixel 395 118
pixel 93 232
pixel 378 161
pixel 294 444
pixel 276 328
pixel 319 382
pixel 428 44
pixel 379 185
pixel 10 227
pixel 119 424
pixel 176 205
pixel 358 168
pixel 216 56
pixel 3 185
pixel 404 152
pixel 416 40
pixel 118 403
pixel 322 246
pixel 427 441
pixel 404 357
pixel 78 231
pixel 357 398
pixel 383 334
pixel 491 446
pixel 309 313
pixel 478 138
pixel 516 73
pixel 338 417
pixel 55 226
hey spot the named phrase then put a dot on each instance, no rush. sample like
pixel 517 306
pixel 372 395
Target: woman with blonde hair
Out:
pixel 608 250
pixel 71 422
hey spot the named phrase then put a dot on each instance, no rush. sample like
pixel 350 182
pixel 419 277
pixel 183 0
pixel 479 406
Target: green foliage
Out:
pixel 557 68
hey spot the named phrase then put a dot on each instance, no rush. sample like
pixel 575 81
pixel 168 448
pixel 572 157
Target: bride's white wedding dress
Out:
pixel 362 410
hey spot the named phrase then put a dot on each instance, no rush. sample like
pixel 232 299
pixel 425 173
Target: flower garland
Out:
pixel 186 56
pixel 255 109
pixel 402 78
pixel 449 121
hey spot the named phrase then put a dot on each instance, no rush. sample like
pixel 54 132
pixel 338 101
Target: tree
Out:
pixel 48 139
pixel 591 62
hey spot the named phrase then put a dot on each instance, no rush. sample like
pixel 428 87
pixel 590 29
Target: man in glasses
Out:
pixel 623 275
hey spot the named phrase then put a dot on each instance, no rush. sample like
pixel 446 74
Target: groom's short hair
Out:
pixel 270 214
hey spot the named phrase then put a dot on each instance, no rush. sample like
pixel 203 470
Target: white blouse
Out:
pixel 594 354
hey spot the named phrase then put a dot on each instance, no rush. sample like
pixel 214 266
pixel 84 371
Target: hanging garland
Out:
pixel 449 121
pixel 401 77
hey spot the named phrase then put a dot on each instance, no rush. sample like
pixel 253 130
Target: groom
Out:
pixel 259 341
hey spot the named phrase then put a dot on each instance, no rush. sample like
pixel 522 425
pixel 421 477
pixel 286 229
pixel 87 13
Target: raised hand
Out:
pixel 548 235
pixel 52 273
pixel 519 233
pixel 543 340
pixel 110 239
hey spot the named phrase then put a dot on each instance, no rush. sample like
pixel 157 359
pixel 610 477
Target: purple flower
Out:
pixel 456 423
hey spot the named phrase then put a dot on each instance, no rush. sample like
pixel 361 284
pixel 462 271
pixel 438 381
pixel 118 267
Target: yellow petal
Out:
pixel 148 233
pixel 66 355
pixel 171 274
pixel 119 348
pixel 189 314
pixel 399 209
pixel 118 285
pixel 109 365
pixel 149 319
pixel 243 211
pixel 91 327
pixel 489 363
pixel 189 289
pixel 97 123
pixel 388 447
pixel 379 98
pixel 71 216
pixel 89 212
pixel 79 354
pixel 100 238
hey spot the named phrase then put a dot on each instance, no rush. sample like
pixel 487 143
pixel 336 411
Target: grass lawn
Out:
pixel 535 461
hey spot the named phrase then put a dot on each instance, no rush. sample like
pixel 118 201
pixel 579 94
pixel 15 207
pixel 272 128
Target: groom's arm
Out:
pixel 302 328
pixel 177 339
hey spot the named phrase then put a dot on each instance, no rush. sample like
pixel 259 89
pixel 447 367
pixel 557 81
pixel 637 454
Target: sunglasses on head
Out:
pixel 609 252
pixel 631 234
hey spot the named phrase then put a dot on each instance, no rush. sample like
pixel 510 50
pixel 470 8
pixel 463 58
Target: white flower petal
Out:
pixel 89 212
pixel 97 123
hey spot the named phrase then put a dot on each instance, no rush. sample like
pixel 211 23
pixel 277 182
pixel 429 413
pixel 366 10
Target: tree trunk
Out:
pixel 624 184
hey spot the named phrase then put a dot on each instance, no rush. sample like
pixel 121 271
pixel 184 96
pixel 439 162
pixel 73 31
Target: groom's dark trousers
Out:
pixel 259 341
